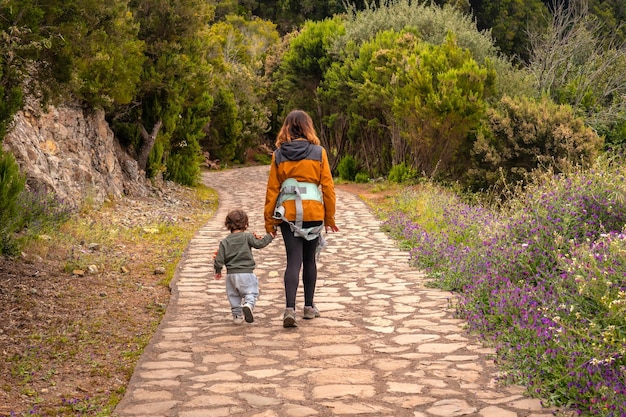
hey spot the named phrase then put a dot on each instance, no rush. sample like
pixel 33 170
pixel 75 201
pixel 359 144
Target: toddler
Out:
pixel 242 285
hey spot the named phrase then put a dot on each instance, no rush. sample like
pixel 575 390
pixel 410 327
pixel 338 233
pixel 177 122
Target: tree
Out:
pixel 290 15
pixel 358 95
pixel 409 102
pixel 304 63
pixel 574 64
pixel 31 39
pixel 613 16
pixel 175 79
pixel 106 55
pixel 239 49
pixel 369 102
pixel 441 104
pixel 509 22
pixel 84 50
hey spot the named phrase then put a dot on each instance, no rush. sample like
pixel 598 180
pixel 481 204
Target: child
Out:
pixel 242 286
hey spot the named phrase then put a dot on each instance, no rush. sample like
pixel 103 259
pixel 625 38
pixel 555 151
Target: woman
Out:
pixel 300 199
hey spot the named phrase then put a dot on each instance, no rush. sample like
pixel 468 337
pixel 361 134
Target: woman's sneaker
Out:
pixel 237 319
pixel 310 312
pixel 289 318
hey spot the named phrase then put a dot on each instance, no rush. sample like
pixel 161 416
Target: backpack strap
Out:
pixel 291 189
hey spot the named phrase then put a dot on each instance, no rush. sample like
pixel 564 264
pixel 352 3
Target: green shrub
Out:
pixel 11 185
pixel 155 159
pixel 362 178
pixel 40 213
pixel 183 165
pixel 347 168
pixel 401 173
pixel 614 133
pixel 523 134
pixel 263 159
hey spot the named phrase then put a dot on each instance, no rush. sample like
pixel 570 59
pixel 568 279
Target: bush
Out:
pixel 522 134
pixel 40 213
pixel 11 185
pixel 262 158
pixel 347 168
pixel 183 165
pixel 362 178
pixel 401 173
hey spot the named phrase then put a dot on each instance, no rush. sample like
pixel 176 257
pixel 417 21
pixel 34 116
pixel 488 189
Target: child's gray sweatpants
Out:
pixel 242 288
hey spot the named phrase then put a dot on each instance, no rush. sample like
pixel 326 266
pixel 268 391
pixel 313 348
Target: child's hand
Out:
pixel 218 275
pixel 215 254
pixel 257 236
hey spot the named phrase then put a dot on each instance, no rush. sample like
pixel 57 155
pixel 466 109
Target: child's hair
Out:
pixel 236 220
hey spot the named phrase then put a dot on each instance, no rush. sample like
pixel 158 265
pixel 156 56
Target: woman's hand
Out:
pixel 332 228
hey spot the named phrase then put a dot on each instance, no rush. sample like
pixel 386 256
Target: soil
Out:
pixel 69 341
pixel 369 192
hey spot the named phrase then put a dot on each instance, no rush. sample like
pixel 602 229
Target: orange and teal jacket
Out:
pixel 304 162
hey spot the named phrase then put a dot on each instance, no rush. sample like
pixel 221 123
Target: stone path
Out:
pixel 385 345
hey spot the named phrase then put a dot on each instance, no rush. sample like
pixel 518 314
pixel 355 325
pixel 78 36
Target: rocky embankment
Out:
pixel 72 152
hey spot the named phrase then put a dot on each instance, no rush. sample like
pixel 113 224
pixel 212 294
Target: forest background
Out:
pixel 483 96
pixel 448 91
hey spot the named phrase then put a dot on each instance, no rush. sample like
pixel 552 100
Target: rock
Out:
pixel 92 269
pixel 31 259
pixel 159 271
pixel 72 153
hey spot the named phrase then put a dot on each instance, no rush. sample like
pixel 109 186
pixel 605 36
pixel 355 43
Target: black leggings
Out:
pixel 300 253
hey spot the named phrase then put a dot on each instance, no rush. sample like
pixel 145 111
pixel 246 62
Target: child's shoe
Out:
pixel 289 318
pixel 310 312
pixel 237 319
pixel 247 312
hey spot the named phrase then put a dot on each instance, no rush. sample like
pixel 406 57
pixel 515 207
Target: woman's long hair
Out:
pixel 297 124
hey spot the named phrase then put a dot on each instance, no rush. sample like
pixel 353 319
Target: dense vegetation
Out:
pixel 188 79
pixel 480 94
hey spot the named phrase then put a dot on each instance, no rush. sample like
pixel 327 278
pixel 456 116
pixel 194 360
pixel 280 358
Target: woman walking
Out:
pixel 300 200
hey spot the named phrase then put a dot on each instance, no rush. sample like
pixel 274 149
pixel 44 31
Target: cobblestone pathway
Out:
pixel 385 345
